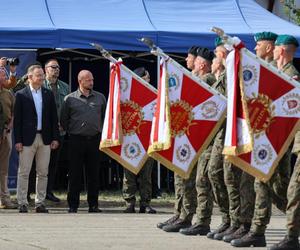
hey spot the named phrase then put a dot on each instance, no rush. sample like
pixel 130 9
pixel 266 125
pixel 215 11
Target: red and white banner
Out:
pixel 238 138
pixel 111 133
pixel 271 114
pixel 160 138
pixel 196 113
pixel 137 101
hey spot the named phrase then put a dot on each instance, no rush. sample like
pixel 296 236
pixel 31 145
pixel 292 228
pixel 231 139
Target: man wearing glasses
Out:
pixel 60 89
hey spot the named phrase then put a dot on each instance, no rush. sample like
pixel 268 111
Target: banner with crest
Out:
pixel 193 111
pixel 271 118
pixel 128 118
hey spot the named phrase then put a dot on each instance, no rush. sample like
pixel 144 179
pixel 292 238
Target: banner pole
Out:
pixel 158 163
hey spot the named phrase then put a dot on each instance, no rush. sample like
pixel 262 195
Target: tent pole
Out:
pixel 70 75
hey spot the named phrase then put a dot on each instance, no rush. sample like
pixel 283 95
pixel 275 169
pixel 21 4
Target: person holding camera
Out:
pixel 7 103
pixel 11 79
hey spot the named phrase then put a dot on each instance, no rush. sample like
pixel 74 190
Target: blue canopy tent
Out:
pixel 174 25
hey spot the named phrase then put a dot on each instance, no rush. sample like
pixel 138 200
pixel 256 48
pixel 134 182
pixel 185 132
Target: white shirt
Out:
pixel 38 103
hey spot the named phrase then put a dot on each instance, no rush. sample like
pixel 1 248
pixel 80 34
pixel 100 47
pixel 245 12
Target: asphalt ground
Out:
pixel 111 229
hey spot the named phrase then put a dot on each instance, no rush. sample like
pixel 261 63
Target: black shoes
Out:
pixel 52 197
pixel 250 239
pixel 23 209
pixel 129 209
pixel 228 231
pixel 219 229
pixel 147 209
pixel 94 210
pixel 168 222
pixel 41 209
pixel 238 234
pixel 177 225
pixel 288 243
pixel 196 229
pixel 72 210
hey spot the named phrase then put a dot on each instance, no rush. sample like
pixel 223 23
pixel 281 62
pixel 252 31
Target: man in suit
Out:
pixel 36 133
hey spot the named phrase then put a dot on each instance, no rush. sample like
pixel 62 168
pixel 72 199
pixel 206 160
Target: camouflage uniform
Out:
pixel 209 78
pixel 21 83
pixel 293 206
pixel 189 200
pixel 240 190
pixel 178 184
pixel 275 190
pixel 185 189
pixel 144 184
pixel 293 192
pixel 2 120
pixel 210 175
pixel 185 196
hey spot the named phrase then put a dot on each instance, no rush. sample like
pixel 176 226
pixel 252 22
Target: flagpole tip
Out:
pixel 218 31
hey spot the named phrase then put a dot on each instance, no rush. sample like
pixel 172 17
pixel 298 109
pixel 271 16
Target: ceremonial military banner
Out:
pixel 128 118
pixel 188 114
pixel 266 114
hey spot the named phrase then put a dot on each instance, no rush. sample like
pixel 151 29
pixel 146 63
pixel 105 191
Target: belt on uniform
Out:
pixel 39 131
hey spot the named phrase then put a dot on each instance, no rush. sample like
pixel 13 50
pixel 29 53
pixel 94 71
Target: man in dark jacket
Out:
pixel 36 133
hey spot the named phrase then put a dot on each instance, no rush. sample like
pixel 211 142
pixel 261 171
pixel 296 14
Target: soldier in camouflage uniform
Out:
pixel 210 181
pixel 275 189
pixel 185 191
pixel 143 178
pixel 203 65
pixel 2 121
pixel 240 192
pixel 145 188
pixel 202 70
pixel 285 48
pixel 22 82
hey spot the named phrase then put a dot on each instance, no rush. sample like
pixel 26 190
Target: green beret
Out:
pixel 285 40
pixel 205 53
pixel 265 36
pixel 218 41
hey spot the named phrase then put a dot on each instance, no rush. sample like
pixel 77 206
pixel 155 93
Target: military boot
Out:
pixel 177 225
pixel 243 230
pixel 228 231
pixel 195 230
pixel 288 243
pixel 129 209
pixel 147 209
pixel 250 239
pixel 219 229
pixel 168 222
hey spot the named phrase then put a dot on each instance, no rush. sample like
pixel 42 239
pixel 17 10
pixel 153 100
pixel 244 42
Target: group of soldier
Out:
pixel 244 202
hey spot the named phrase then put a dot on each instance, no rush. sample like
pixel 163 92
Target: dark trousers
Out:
pixel 54 157
pixel 83 152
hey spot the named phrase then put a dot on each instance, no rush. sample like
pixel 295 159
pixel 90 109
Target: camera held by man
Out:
pixel 11 75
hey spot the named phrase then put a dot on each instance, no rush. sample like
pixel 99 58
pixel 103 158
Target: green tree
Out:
pixel 291 11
